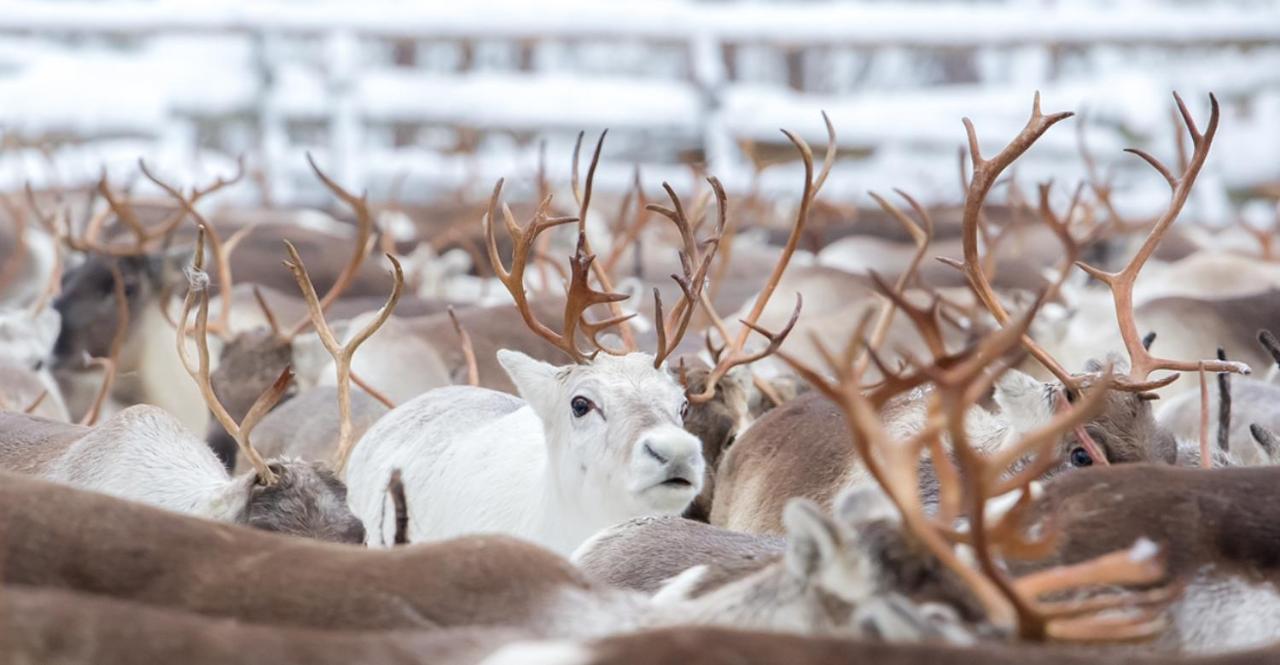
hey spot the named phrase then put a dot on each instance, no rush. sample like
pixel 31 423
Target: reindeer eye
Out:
pixel 684 409
pixel 1071 395
pixel 1081 457
pixel 581 406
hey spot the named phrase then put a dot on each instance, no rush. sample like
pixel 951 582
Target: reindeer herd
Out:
pixel 725 431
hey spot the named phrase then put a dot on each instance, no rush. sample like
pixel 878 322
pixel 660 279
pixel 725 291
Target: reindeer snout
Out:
pixel 676 451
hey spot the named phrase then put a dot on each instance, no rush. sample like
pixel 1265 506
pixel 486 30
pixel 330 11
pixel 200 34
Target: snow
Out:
pixel 188 84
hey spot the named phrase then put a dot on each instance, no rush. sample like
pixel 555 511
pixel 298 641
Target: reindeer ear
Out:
pixel 812 537
pixel 865 503
pixel 534 379
pixel 1022 400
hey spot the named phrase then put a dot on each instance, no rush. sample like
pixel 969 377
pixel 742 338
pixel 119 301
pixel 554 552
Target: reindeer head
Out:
pixel 717 424
pixel 88 309
pixel 1124 431
pixel 614 422
pixel 248 365
pixel 863 574
pixel 306 500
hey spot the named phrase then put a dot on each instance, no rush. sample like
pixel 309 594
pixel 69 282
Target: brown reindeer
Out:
pixel 43 625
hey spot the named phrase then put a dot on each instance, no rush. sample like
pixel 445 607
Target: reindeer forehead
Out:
pixel 632 373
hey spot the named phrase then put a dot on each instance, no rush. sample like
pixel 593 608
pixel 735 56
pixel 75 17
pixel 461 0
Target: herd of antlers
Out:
pixel 963 533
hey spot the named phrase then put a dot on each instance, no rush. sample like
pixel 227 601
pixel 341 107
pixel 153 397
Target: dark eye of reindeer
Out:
pixel 1081 457
pixel 581 406
pixel 1072 395
pixel 684 409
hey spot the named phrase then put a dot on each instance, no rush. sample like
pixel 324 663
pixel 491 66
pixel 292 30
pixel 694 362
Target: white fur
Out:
pixel 399 363
pixel 1217 614
pixel 144 454
pixel 540 653
pixel 26 342
pixel 152 357
pixel 681 586
pixel 475 460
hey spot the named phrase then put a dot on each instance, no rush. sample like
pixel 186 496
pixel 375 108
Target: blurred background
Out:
pixel 425 101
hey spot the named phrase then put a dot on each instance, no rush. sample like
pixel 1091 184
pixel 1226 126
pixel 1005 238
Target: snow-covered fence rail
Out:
pixel 455 93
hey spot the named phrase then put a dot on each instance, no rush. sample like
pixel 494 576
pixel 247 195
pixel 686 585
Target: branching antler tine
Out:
pixel 917 234
pixel 384 313
pixel 661 330
pixel 342 353
pixel 197 291
pixel 364 242
pixel 722 206
pixel 985 173
pixel 491 241
pixel 266 312
pixel 1155 164
pixel 678 217
pixel 573 174
pixel 733 354
pixel 1141 563
pixel 468 350
pixel 221 257
pixel 124 212
pixel 1131 600
pixel 775 339
pixel 829 159
pixel 266 401
pixel 689 296
pixel 584 198
pixel 1121 283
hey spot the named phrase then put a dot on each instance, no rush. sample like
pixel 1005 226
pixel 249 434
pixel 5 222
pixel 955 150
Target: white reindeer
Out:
pixel 587 445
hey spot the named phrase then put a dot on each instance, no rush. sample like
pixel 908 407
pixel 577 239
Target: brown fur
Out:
pixel 51 626
pixel 715 423
pixel 645 552
pixel 804 449
pixel 28 443
pixel 64 538
pixel 1230 323
pixel 799 449
pixel 1197 516
pixel 249 364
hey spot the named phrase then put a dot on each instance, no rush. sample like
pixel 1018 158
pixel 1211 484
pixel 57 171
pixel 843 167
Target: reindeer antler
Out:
pixel 672 328
pixel 1141 362
pixel 468 351
pixel 198 290
pixel 342 353
pixel 972 480
pixel 985 173
pixel 583 198
pixel 221 252
pixel 580 296
pixel 364 241
pixel 124 212
pixel 734 355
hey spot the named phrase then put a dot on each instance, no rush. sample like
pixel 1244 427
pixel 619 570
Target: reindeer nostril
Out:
pixel 648 449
